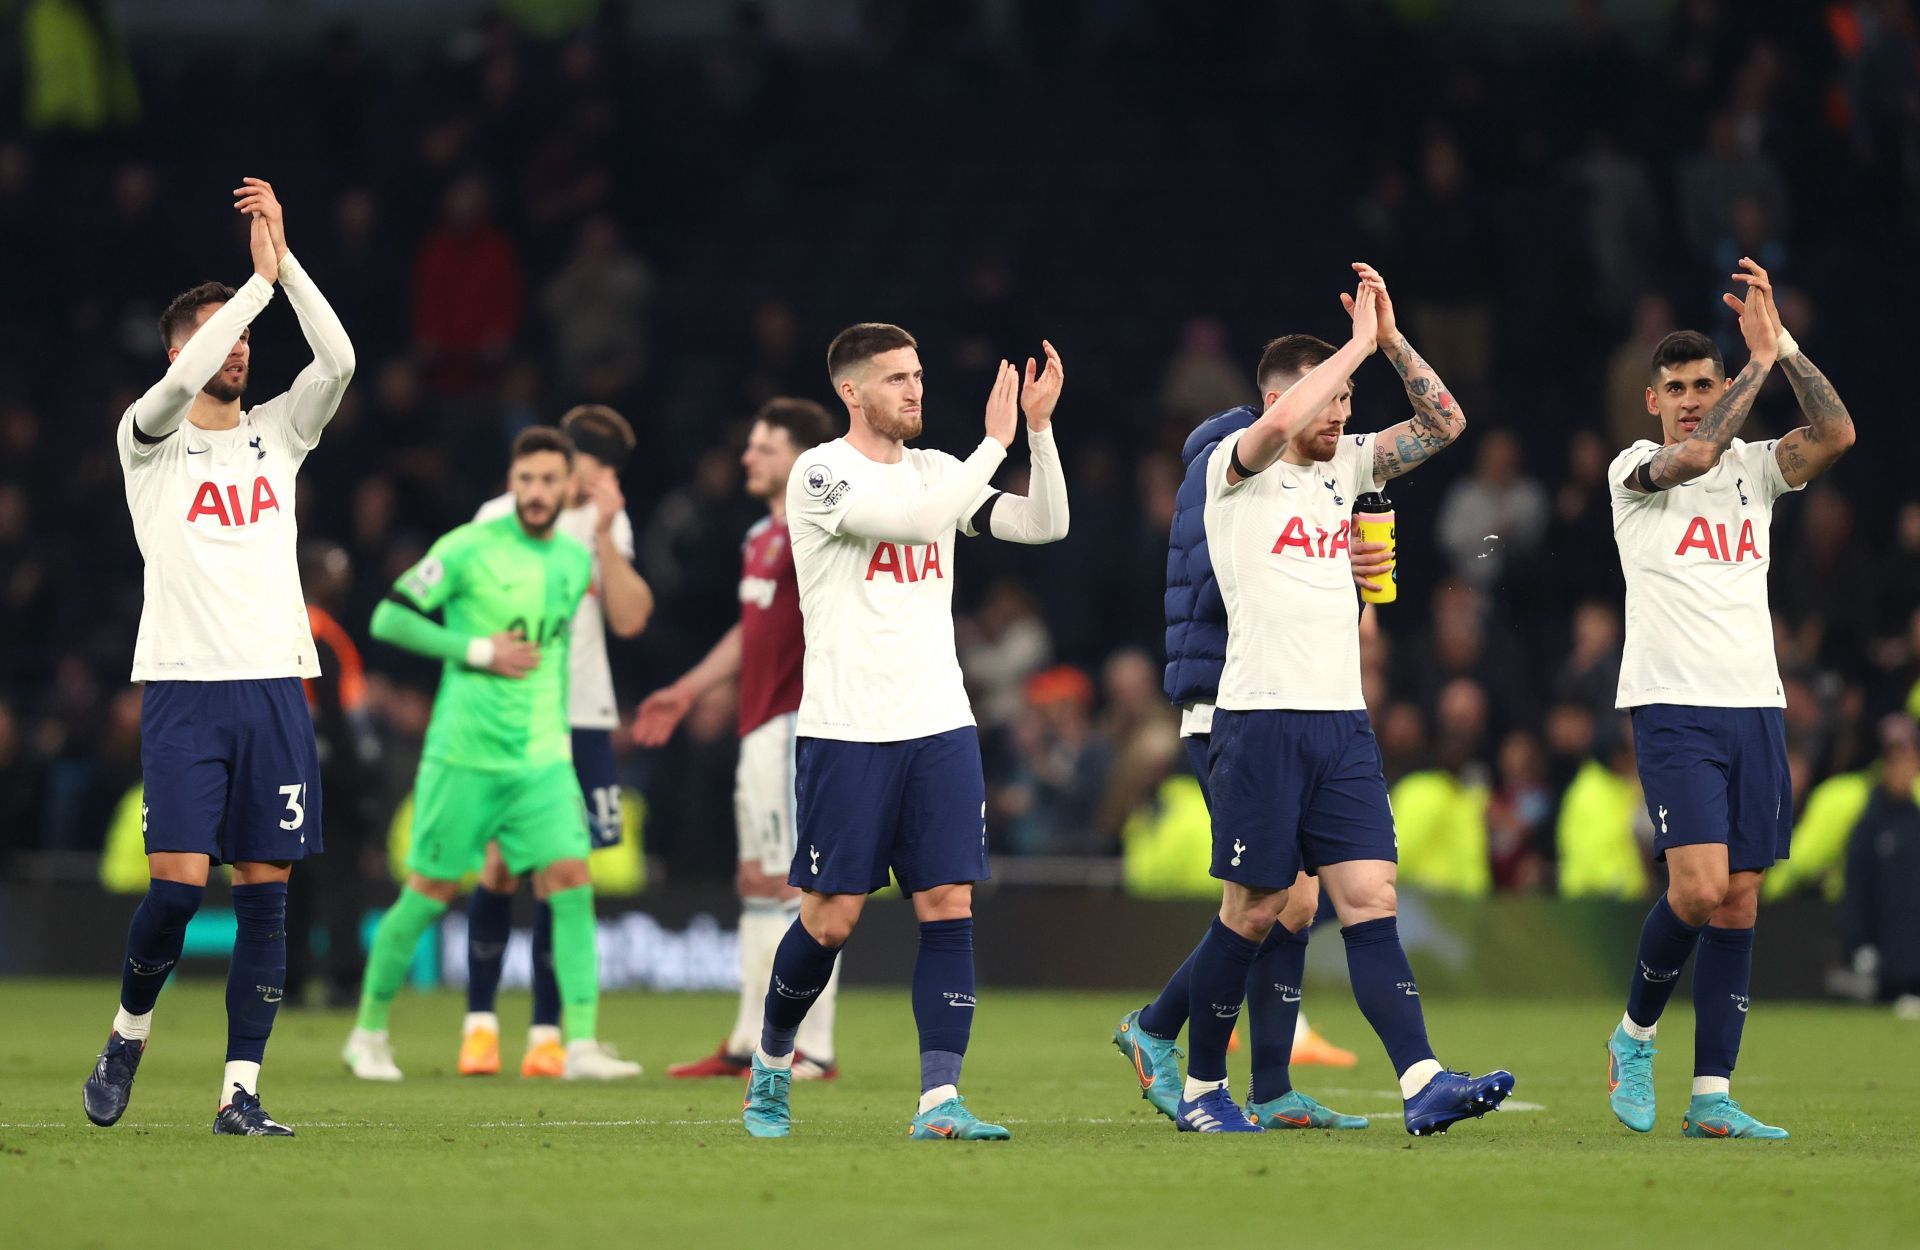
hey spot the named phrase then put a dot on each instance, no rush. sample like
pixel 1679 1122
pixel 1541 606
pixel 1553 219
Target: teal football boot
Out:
pixel 951 1121
pixel 766 1111
pixel 1630 1079
pixel 1156 1065
pixel 1294 1109
pixel 1718 1115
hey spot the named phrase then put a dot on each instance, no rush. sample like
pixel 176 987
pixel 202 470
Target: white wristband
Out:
pixel 1787 346
pixel 480 653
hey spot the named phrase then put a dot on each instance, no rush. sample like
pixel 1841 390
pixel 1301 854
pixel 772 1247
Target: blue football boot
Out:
pixel 1156 1064
pixel 1214 1112
pixel 951 1121
pixel 110 1085
pixel 1294 1109
pixel 766 1111
pixel 245 1117
pixel 1455 1096
pixel 1718 1115
pixel 1630 1079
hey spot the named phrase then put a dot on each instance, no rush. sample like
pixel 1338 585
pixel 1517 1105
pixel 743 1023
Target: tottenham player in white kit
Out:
pixel 888 760
pixel 1295 772
pixel 226 743
pixel 618 600
pixel 765 652
pixel 1692 515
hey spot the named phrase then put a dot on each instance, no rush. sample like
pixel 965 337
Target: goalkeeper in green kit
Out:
pixel 498 759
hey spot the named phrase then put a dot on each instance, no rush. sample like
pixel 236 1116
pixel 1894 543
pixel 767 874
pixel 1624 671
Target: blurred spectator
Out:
pixel 1450 261
pixel 596 310
pixel 1440 814
pixel 1203 377
pixel 1579 557
pixel 1629 374
pixel 1144 732
pixel 1602 835
pixel 1622 225
pixel 1712 180
pixel 1000 646
pixel 78 75
pixel 1495 519
pixel 1882 910
pixel 1517 814
pixel 1060 768
pixel 1591 674
pixel 466 293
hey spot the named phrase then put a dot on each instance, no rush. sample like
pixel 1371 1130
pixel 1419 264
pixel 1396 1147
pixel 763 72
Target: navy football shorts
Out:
pixel 231 770
pixel 1294 791
pixel 599 784
pixel 1716 774
pixel 917 808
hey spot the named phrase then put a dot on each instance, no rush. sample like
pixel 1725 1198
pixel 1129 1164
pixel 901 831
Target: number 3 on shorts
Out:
pixel 296 796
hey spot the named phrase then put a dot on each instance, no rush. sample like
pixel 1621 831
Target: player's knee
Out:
pixel 1303 902
pixel 830 929
pixel 567 874
pixel 1695 899
pixel 495 878
pixel 432 887
pixel 1739 909
pixel 1252 915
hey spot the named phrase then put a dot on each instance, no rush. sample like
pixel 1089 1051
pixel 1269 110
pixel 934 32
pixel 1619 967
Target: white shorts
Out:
pixel 763 796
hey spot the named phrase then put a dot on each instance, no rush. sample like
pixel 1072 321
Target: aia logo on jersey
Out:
pixel 901 562
pixel 1702 537
pixel 227 509
pixel 1320 545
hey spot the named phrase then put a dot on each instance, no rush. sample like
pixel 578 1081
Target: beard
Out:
pixel 895 425
pixel 226 392
pixel 538 529
pixel 1313 449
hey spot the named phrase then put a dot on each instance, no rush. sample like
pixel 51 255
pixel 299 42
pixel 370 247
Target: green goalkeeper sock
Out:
pixel 393 942
pixel 576 961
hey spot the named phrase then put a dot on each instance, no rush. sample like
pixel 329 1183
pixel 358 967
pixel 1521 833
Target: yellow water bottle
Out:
pixel 1373 523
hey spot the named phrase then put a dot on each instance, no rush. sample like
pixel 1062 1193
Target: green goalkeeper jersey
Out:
pixel 491 577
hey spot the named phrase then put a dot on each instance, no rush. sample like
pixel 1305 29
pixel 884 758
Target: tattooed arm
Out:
pixel 1696 455
pixel 1437 419
pixel 1809 451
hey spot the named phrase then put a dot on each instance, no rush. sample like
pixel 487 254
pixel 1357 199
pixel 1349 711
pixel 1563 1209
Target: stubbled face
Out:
pixel 1320 437
pixel 230 383
pixel 768 460
pixel 540 482
pixel 887 391
pixel 1684 393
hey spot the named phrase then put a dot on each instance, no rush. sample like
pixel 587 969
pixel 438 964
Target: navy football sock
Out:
pixel 489 923
pixel 257 976
pixel 943 999
pixel 1665 942
pixel 1166 1015
pixel 801 969
pixel 154 939
pixel 1722 973
pixel 1384 988
pixel 1218 983
pixel 546 986
pixel 1273 1007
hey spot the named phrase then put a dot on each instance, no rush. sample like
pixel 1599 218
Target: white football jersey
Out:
pixel 590 701
pixel 1699 632
pixel 1281 543
pixel 880 661
pixel 213 514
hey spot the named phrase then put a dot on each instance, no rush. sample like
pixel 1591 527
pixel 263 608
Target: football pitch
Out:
pixel 442 1160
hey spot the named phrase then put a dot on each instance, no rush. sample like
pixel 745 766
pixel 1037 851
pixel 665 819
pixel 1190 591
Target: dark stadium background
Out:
pixel 672 207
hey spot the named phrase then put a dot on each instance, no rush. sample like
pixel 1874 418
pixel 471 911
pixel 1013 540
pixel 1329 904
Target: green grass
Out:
pixel 445 1161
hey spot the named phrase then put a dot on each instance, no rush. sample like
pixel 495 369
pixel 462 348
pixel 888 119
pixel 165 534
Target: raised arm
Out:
pixel 1039 516
pixel 1437 419
pixel 1696 454
pixel 1811 450
pixel 661 712
pixel 925 518
pixel 1290 413
pixel 624 594
pixel 316 392
pixel 159 412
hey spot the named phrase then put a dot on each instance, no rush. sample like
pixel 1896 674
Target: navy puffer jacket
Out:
pixel 1196 614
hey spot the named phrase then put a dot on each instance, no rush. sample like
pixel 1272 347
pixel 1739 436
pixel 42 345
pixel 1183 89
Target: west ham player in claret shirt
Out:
pixel 765 652
pixel 887 763
pixel 1692 515
pixel 226 745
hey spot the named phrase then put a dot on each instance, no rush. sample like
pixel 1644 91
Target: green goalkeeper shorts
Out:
pixel 536 815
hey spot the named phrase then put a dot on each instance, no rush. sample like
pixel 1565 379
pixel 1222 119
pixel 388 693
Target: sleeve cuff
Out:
pixel 480 653
pixel 290 268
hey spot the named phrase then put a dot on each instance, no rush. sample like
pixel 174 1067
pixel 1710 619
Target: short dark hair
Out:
pixel 805 422
pixel 538 438
pixel 600 432
pixel 179 315
pixel 1288 355
pixel 860 343
pixel 1682 346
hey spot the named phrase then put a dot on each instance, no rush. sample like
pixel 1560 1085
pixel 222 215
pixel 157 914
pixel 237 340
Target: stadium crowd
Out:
pixel 523 217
